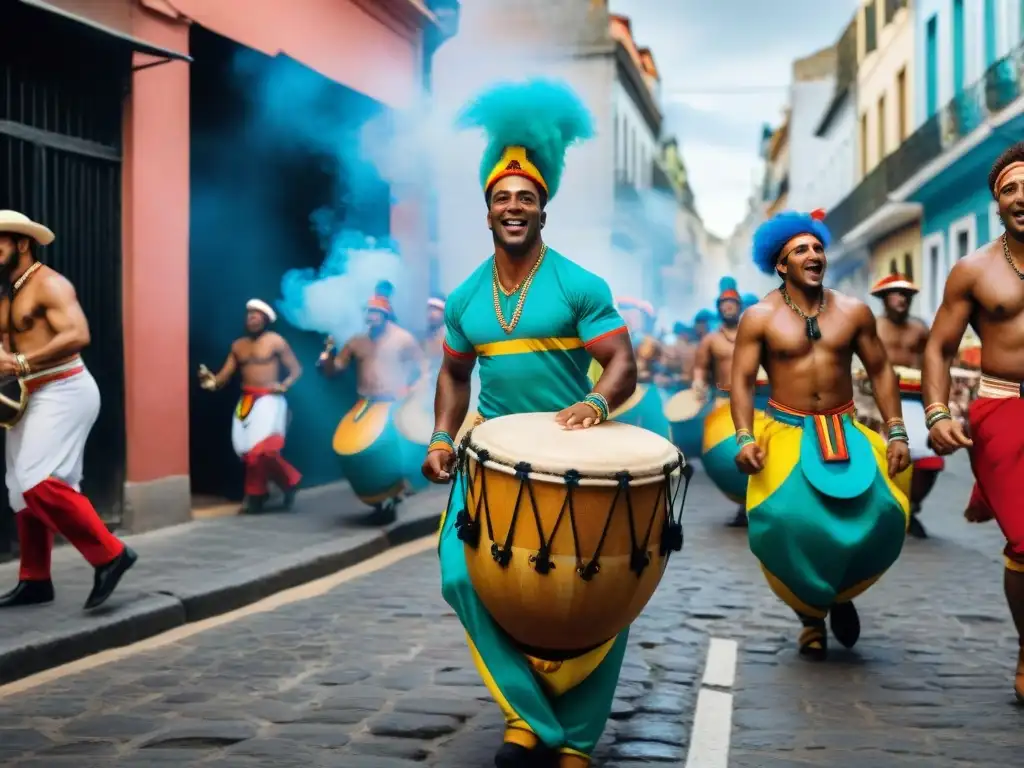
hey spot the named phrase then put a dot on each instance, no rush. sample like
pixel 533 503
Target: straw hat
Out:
pixel 12 222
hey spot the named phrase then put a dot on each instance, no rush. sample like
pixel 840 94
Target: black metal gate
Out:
pixel 61 110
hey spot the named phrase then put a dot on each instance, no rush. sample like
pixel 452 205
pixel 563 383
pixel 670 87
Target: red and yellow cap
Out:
pixel 379 304
pixel 515 161
pixel 893 283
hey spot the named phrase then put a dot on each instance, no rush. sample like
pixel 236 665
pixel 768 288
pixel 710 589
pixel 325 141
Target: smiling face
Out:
pixel 802 262
pixel 1010 199
pixel 514 214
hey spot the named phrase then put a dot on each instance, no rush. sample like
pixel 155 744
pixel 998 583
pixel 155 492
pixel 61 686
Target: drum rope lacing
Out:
pixel 467 524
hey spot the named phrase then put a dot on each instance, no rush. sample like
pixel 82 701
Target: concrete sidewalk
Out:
pixel 197 570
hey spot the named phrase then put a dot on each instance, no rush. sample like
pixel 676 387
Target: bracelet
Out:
pixel 895 422
pixel 441 441
pixel 597 409
pixel 23 367
pixel 598 402
pixel 935 413
pixel 743 437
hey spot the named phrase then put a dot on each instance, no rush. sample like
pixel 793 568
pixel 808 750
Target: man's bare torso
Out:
pixel 259 359
pixel 904 343
pixel 26 328
pixel 383 363
pixel 804 374
pixel 722 345
pixel 997 298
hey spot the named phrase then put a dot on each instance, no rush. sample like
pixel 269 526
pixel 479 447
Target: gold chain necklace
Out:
pixel 509 326
pixel 25 276
pixel 811 321
pixel 1009 258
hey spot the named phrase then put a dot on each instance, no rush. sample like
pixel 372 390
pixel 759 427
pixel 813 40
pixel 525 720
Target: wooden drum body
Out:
pixel 568 531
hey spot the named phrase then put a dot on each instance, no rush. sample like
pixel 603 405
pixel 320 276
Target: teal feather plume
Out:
pixel 727 284
pixel 545 116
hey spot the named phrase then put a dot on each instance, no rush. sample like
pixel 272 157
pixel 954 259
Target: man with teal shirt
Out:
pixel 534 320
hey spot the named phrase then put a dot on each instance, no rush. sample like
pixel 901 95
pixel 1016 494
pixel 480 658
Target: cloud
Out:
pixel 725 72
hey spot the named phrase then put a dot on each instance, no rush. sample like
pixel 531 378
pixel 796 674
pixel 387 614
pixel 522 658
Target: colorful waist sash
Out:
pixel 836 458
pixel 999 389
pixel 248 399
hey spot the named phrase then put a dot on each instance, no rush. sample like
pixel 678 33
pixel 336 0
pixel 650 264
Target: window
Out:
pixel 931 54
pixel 959 45
pixel 891 7
pixel 963 237
pixel 901 105
pixel 935 270
pixel 864 144
pixel 870 27
pixel 881 127
pixel 990 33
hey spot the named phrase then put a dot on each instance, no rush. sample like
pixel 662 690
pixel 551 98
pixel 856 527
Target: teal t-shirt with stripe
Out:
pixel 542 365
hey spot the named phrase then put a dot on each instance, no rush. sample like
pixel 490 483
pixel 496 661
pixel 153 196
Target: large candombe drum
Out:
pixel 571 530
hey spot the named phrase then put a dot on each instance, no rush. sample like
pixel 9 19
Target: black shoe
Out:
pixel 28 593
pixel 253 505
pixel 514 756
pixel 845 624
pixel 915 528
pixel 108 576
pixel 740 521
pixel 382 514
pixel 289 497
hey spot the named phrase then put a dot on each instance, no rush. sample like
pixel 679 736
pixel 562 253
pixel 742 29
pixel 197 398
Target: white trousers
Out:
pixel 913 416
pixel 268 417
pixel 49 440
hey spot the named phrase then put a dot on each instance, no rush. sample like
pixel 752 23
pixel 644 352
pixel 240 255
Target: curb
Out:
pixel 155 613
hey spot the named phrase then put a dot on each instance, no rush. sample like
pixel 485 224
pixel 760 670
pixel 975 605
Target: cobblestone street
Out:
pixel 375 673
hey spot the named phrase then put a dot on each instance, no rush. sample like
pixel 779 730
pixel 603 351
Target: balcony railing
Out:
pixel 1001 85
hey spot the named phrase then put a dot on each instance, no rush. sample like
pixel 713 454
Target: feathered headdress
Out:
pixel 749 300
pixel 529 126
pixel 704 316
pixel 727 290
pixel 780 229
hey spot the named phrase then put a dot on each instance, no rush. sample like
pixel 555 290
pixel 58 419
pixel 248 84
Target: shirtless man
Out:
pixel 387 357
pixel 43 332
pixel 824 522
pixel 639 316
pixel 904 338
pixel 678 360
pixel 433 343
pixel 713 373
pixel 986 290
pixel 261 417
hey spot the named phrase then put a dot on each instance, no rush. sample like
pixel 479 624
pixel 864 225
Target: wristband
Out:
pixel 597 409
pixel 598 402
pixel 23 367
pixel 441 441
pixel 743 437
pixel 935 413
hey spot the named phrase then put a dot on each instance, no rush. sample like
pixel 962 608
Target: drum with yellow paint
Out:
pixel 643 409
pixel 686 412
pixel 719 448
pixel 371 453
pixel 568 532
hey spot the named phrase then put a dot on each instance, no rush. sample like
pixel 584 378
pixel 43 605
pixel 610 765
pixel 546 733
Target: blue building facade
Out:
pixel 969 80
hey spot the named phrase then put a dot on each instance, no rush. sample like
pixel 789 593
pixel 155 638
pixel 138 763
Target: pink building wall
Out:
pixel 338 38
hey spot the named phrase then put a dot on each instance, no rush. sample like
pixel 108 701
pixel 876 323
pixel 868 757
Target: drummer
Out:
pixel 433 340
pixel 534 319
pixel 388 362
pixel 827 501
pixel 904 338
pixel 702 323
pixel 640 316
pixel 678 360
pixel 713 367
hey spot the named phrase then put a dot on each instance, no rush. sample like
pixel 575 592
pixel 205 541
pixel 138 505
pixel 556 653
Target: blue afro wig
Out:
pixel 704 316
pixel 545 116
pixel 780 229
pixel 749 300
pixel 727 284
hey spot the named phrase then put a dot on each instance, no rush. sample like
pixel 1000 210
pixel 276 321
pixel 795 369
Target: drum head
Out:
pixel 597 452
pixel 415 420
pixel 683 406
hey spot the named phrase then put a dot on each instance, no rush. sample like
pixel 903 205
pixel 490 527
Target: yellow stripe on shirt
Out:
pixel 519 346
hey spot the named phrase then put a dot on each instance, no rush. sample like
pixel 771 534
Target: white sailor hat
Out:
pixel 258 305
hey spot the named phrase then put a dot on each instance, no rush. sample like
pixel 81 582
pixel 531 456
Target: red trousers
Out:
pixel 54 506
pixel 265 464
pixel 997 458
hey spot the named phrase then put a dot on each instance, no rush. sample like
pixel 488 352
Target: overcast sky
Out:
pixel 715 48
